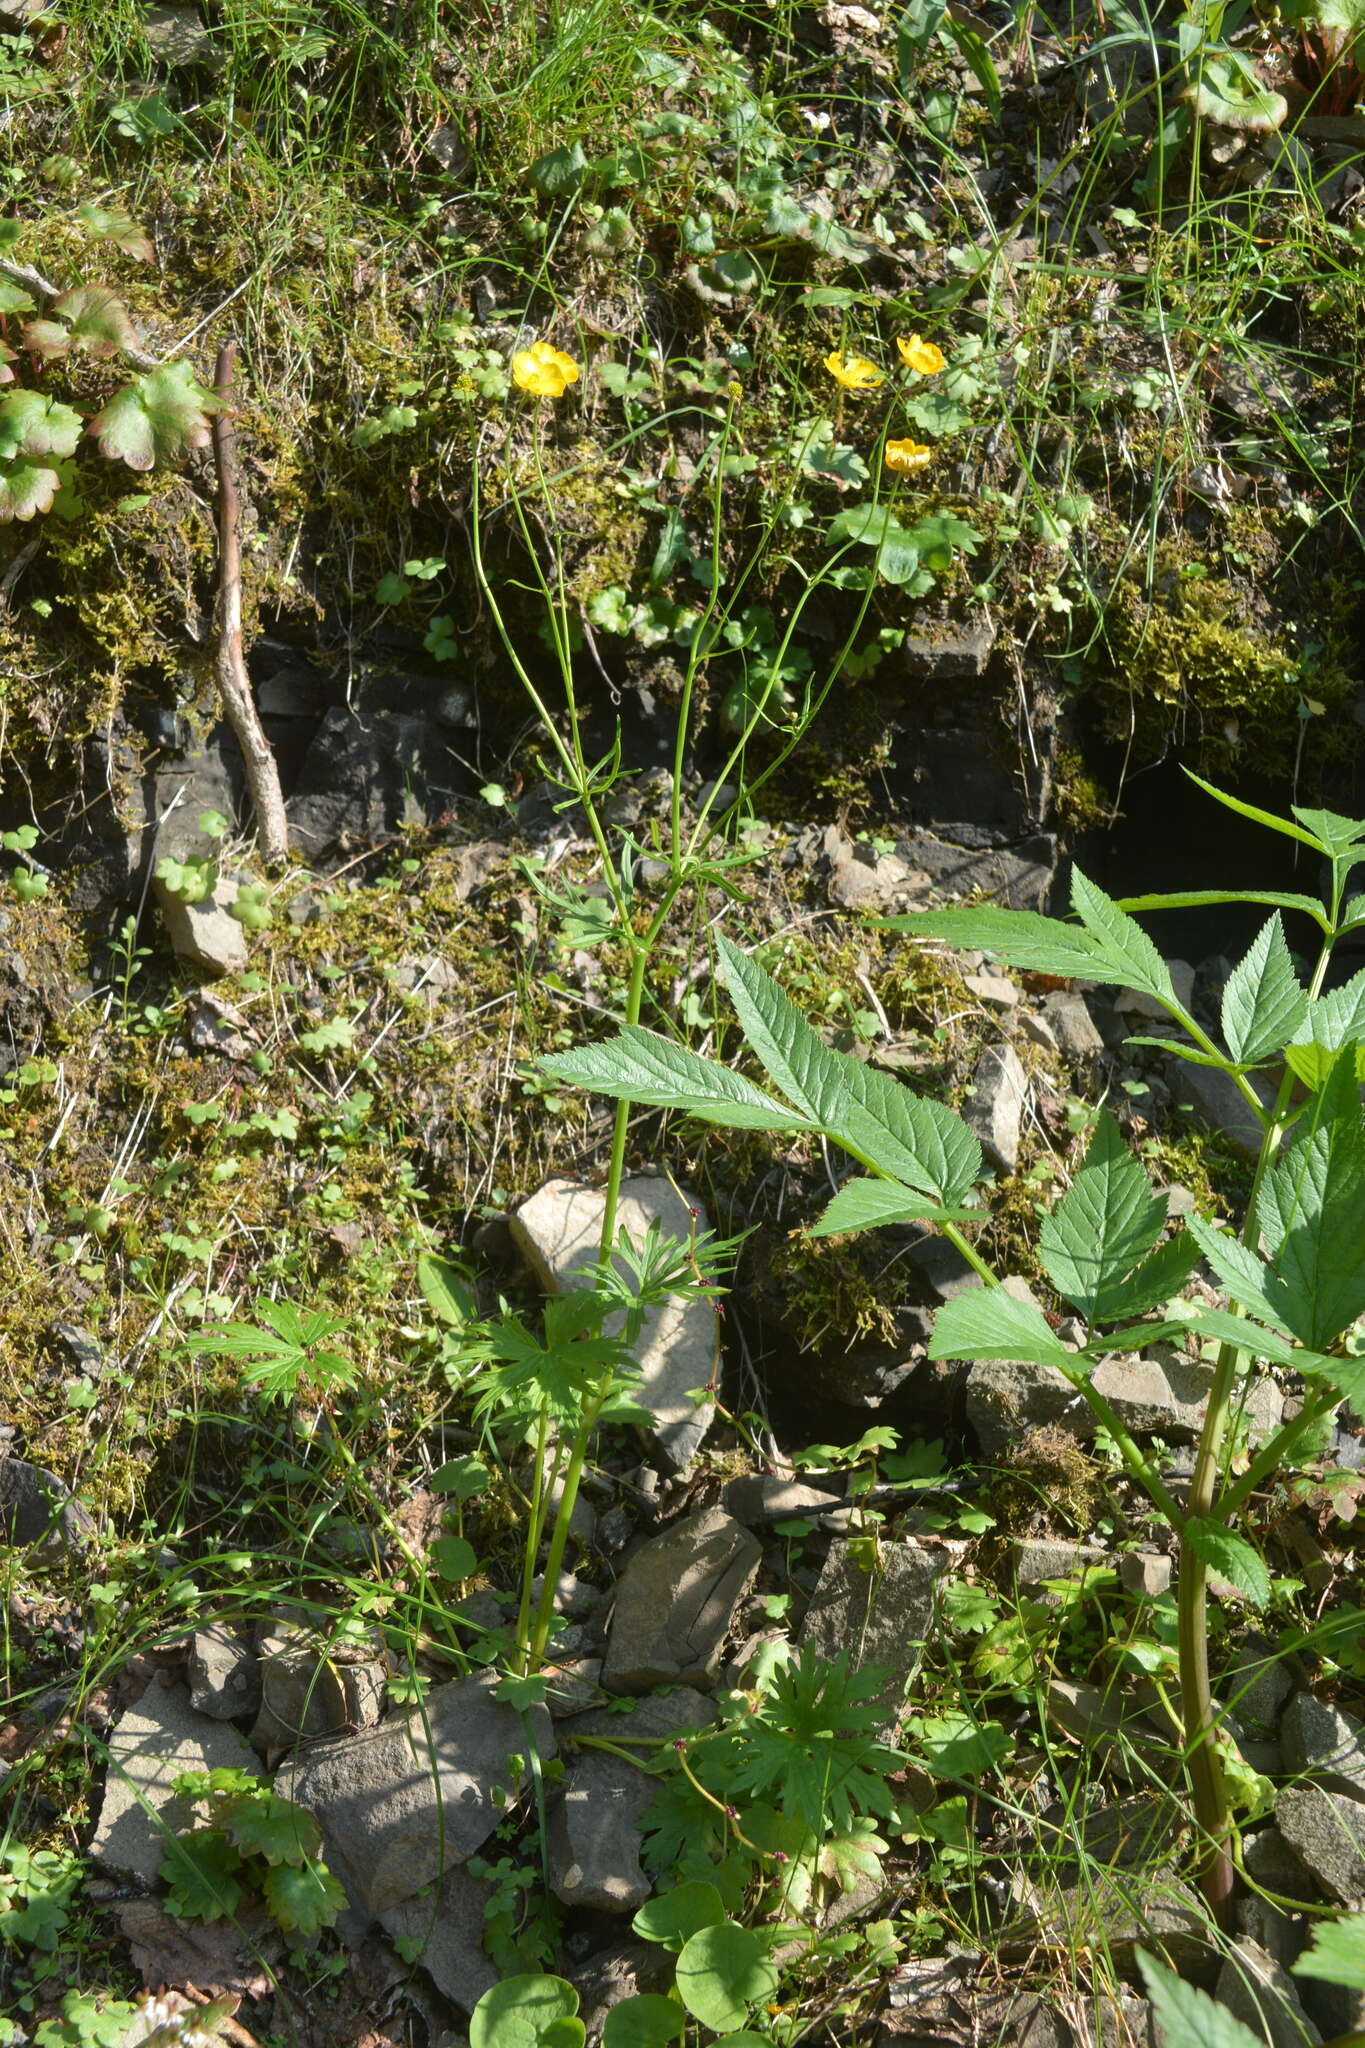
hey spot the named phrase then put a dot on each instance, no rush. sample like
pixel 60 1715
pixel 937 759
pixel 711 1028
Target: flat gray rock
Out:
pixel 1260 1992
pixel 308 1691
pixel 1217 1101
pixel 995 1109
pixel 224 1672
pixel 149 1746
pixel 1326 1831
pixel 675 1602
pixel 403 1802
pixel 761 1497
pixel 37 1508
pixel 205 934
pixel 595 1821
pixel 1158 1396
pixel 558 1231
pixel 444 1926
pixel 882 1617
pixel 1320 1742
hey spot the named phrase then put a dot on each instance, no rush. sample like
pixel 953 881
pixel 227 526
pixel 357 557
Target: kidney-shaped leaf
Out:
pixel 722 1972
pixel 156 418
pixel 523 2012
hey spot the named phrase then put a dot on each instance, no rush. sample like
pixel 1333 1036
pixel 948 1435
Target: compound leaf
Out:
pixel 988 1323
pixel 1106 1222
pixel 199 1871
pixel 642 1067
pixel 156 418
pixel 1133 959
pixel 1021 938
pixel 864 1204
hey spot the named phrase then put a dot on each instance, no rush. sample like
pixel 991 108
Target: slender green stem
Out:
pixel 1273 1454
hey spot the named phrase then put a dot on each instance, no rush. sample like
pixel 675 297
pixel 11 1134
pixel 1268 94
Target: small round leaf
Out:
pixel 722 1971
pixel 646 2021
pixel 675 1916
pixel 524 2012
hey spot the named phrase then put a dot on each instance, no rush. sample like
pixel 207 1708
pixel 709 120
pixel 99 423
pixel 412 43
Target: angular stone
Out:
pixel 445 1925
pixel 762 1497
pixel 1135 1003
pixel 224 1673
pixel 1272 1863
pixel 1327 1833
pixel 1158 1396
pixel 308 1691
pixel 882 1617
pixel 992 989
pixel 1217 1101
pixel 366 771
pixel 1038 1561
pixel 149 1747
pixel 558 1231
pixel 1147 1573
pixel 204 933
pixel 675 1602
pixel 1072 1026
pixel 39 1509
pixel 942 1268
pixel 879 881
pixel 1323 1743
pixel 1257 1684
pixel 175 36
pixel 403 1802
pixel 1264 1997
pixel 995 1110
pixel 1018 877
pixel 595 1821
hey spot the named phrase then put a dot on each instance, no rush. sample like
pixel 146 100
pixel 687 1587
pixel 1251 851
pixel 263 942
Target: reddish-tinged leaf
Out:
pixel 112 224
pixel 46 338
pixel 156 418
pixel 25 489
pixel 97 319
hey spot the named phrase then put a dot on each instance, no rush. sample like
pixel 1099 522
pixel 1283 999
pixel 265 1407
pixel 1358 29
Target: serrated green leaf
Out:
pixel 1337 1954
pixel 1231 1556
pixel 261 1823
pixel 13 299
pixel 112 224
pixel 159 417
pixel 1133 958
pixel 1263 1004
pixel 955 1745
pixel 96 320
pixel 200 1873
pixel 1310 1207
pixel 1245 1277
pixel 1188 2017
pixel 1021 938
pixel 722 1972
pixel 866 1204
pixel 642 1067
pixel 1106 1222
pixel 1249 1336
pixel 988 1323
pixel 1195 899
pixel 1335 833
pixel 303 1900
pixel 646 2021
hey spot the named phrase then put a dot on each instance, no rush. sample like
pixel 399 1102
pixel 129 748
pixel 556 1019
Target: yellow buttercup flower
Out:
pixel 855 373
pixel 924 356
pixel 903 456
pixel 545 371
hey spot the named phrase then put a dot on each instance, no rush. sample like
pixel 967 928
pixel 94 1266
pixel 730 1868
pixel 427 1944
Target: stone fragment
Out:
pixel 1043 1559
pixel 1157 1396
pixel 623 1969
pixel 995 1110
pixel 1273 1864
pixel 39 1509
pixel 1147 1573
pixel 1038 1031
pixel 1257 1683
pixel 1259 1992
pixel 444 1925
pixel 311 1688
pixel 149 1747
pixel 176 37
pixel 959 652
pixel 942 1268
pixel 1019 877
pixel 992 989
pixel 1072 1026
pixel 595 1821
pixel 575 1684
pixel 1134 1004
pixel 367 771
pixel 557 1232
pixel 865 880
pixel 1323 1743
pixel 224 1673
pixel 881 1616
pixel 403 1802
pixel 761 1497
pixel 204 933
pixel 1327 1832
pixel 1217 1101
pixel 675 1602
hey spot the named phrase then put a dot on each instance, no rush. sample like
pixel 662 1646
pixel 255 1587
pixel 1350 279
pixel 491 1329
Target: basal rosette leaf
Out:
pixel 158 417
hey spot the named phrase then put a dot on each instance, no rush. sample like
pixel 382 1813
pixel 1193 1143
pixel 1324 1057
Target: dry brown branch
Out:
pixel 234 687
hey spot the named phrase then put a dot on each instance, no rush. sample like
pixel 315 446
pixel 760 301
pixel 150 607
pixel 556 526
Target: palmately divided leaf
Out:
pixel 1231 1556
pixel 1021 938
pixel 865 1204
pixel 640 1066
pixel 1106 1222
pixel 303 1901
pixel 1188 2017
pixel 31 424
pixel 988 1323
pixel 1263 1004
pixel 156 418
pixel 26 488
pixel 1121 941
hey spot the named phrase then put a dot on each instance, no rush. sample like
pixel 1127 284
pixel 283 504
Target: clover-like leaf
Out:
pixel 156 418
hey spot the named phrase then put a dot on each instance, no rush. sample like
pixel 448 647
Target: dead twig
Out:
pixel 234 687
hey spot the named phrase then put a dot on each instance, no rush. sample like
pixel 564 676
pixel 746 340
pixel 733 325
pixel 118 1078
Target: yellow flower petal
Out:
pixel 924 356
pixel 855 373
pixel 545 371
pixel 903 456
